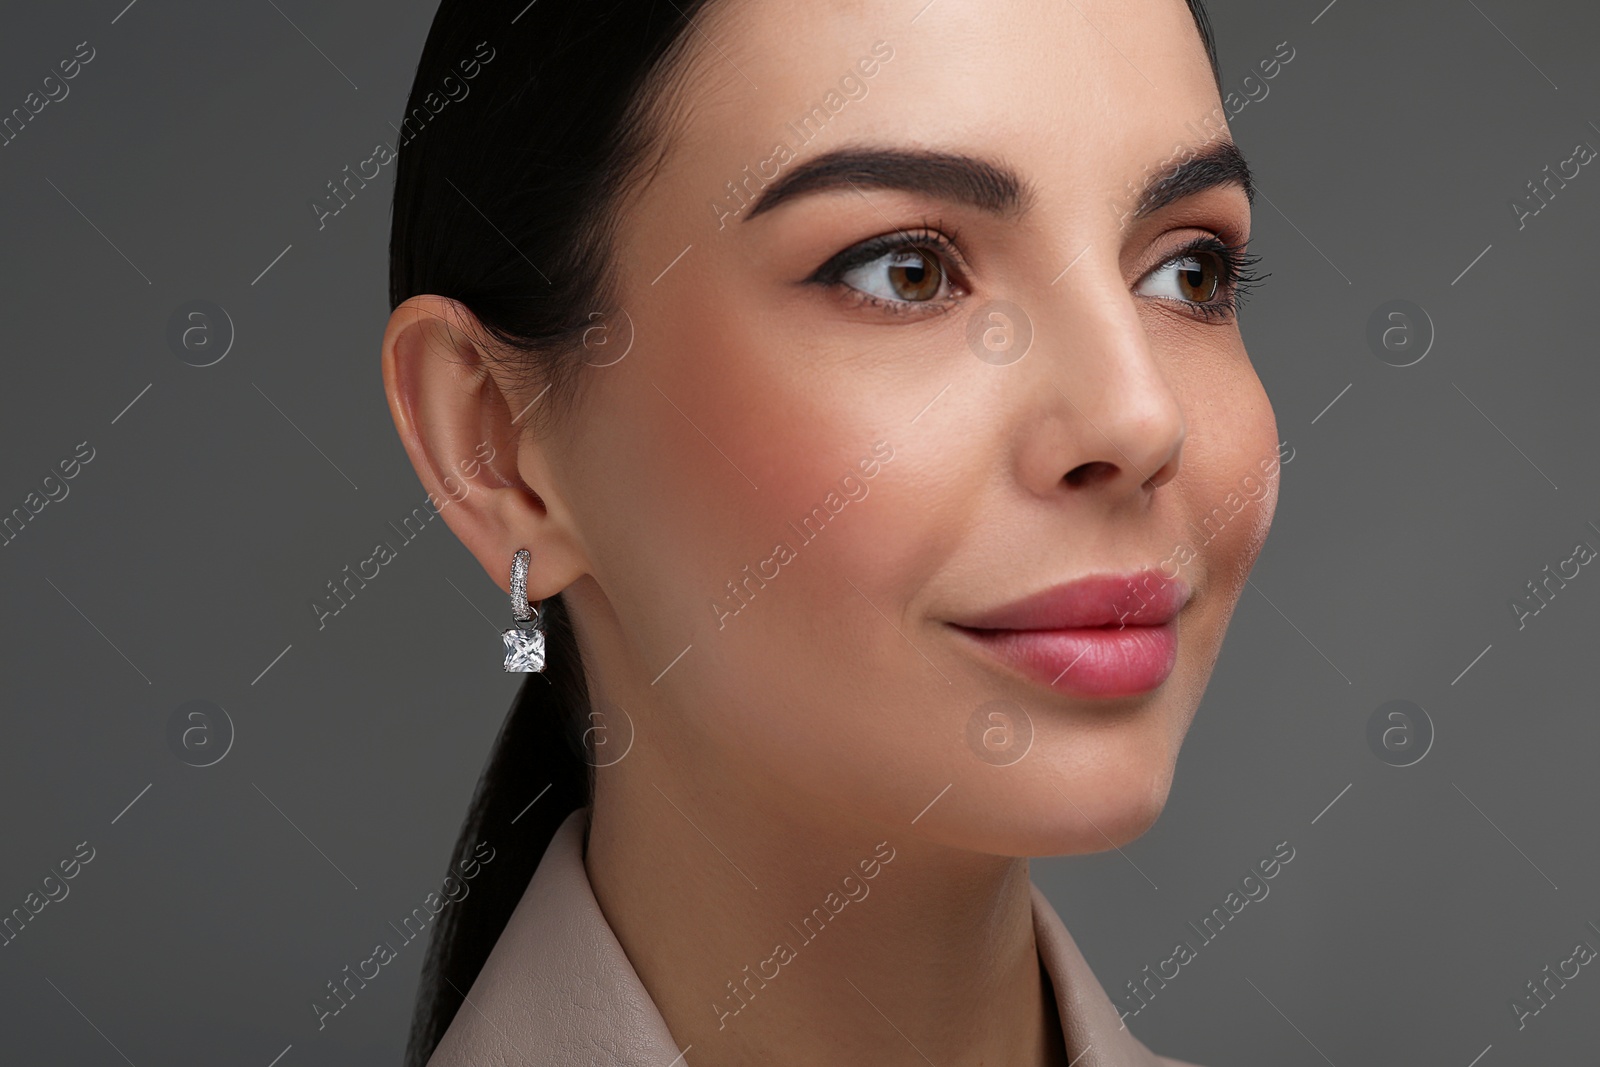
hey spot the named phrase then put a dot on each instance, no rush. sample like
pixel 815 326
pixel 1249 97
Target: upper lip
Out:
pixel 1134 598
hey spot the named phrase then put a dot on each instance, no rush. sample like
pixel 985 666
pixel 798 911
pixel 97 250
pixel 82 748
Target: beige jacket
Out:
pixel 558 991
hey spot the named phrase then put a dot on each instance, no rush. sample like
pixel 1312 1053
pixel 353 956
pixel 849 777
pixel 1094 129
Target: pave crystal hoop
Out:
pixel 525 641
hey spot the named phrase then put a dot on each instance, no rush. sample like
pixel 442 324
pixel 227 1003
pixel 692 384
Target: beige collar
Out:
pixel 558 991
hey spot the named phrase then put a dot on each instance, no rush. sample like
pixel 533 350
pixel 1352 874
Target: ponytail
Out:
pixel 525 125
pixel 537 754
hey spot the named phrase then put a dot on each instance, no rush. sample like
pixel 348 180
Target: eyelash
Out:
pixel 1238 277
pixel 927 237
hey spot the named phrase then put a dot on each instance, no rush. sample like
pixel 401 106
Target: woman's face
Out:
pixel 807 471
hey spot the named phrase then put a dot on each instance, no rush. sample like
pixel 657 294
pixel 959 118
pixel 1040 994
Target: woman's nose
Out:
pixel 1106 415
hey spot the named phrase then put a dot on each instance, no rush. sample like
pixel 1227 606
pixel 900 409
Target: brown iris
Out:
pixel 1200 276
pixel 915 275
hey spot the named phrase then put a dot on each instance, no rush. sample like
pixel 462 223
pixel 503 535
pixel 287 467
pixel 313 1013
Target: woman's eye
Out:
pixel 905 275
pixel 1194 278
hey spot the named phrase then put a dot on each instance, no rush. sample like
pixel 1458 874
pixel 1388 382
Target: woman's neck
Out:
pixel 783 934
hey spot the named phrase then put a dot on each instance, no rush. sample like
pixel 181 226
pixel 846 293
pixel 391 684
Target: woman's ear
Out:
pixel 490 482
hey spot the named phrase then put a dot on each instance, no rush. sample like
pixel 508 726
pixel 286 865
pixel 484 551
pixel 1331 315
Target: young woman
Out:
pixel 854 376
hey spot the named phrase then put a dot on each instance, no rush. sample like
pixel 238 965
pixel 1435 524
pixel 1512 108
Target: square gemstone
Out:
pixel 524 650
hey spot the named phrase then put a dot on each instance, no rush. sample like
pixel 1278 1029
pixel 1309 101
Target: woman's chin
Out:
pixel 1114 825
pixel 1056 816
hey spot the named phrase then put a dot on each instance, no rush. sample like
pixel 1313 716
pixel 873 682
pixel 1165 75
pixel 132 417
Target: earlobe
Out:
pixel 458 428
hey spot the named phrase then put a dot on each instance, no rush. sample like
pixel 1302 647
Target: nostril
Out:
pixel 1089 473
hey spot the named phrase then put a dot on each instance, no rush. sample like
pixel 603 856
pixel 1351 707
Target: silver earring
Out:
pixel 524 641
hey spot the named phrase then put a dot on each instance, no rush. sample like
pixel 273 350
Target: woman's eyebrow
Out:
pixel 1218 163
pixel 954 176
pixel 985 184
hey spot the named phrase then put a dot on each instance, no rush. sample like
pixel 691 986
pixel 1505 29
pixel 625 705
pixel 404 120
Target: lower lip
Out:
pixel 1090 661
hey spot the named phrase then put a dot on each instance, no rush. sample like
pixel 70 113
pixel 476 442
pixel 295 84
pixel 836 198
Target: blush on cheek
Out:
pixel 820 514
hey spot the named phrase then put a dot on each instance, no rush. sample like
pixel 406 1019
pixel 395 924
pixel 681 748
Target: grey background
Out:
pixel 181 563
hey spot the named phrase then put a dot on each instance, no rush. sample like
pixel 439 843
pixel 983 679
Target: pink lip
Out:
pixel 1105 635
